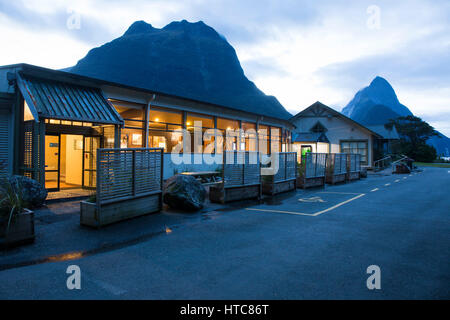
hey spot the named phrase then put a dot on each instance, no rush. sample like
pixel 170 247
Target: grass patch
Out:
pixel 435 165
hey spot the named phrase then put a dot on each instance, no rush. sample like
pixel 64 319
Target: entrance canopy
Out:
pixel 50 99
pixel 310 137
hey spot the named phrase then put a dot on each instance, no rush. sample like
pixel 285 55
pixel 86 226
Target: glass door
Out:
pixel 52 162
pixel 90 146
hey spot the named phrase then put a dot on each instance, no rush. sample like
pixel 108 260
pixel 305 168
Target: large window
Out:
pixel 232 127
pixel 356 146
pixel 249 141
pixel 275 139
pixel 133 132
pixel 202 122
pixel 263 136
pixel 162 124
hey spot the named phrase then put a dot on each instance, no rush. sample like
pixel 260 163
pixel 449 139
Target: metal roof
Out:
pixel 64 101
pixel 309 137
pixel 386 133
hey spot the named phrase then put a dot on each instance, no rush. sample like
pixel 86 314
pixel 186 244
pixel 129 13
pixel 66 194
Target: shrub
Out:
pixel 11 201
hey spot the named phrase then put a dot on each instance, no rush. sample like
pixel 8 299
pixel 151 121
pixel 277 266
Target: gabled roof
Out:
pixel 388 134
pixel 310 137
pixel 319 105
pixel 60 100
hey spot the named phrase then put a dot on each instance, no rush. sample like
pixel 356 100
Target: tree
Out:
pixel 414 132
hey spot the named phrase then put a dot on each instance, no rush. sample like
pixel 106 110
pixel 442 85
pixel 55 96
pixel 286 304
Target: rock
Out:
pixel 184 192
pixel 33 193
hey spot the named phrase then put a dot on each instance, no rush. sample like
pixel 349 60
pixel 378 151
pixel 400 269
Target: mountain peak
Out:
pixel 139 27
pixel 379 81
pixel 378 95
pixel 198 28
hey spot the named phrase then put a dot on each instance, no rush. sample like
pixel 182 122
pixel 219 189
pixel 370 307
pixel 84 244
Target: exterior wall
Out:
pixel 6 131
pixel 338 128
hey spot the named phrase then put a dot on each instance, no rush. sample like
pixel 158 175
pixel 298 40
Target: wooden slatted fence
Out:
pixel 129 184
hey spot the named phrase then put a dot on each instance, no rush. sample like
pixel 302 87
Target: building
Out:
pixel 52 123
pixel 322 129
pixel 388 136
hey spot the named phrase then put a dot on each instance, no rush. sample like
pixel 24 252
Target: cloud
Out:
pixel 300 51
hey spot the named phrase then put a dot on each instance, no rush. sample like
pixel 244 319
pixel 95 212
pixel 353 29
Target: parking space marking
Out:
pixel 359 195
pixel 387 184
pixel 373 190
pixel 339 204
pixel 398 180
pixel 280 211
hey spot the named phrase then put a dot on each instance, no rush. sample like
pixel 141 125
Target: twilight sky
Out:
pixel 299 51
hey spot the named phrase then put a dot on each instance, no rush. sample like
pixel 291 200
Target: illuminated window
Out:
pixel 263 136
pixel 275 139
pixel 231 126
pixel 133 132
pixel 250 137
pixel 162 126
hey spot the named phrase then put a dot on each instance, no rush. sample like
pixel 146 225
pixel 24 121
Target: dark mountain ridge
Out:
pixel 184 59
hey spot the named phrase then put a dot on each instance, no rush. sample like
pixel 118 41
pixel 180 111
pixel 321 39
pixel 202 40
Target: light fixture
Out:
pixel 156 119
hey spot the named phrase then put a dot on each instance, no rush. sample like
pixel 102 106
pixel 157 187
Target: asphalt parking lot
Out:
pixel 314 244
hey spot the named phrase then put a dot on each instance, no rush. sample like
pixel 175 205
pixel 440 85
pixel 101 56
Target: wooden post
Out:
pixel 98 187
pixel 116 136
pixel 147 124
pixel 41 152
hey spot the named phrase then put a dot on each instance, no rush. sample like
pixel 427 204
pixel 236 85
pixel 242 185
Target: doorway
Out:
pixel 70 161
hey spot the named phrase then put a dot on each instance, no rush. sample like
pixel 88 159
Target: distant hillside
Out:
pixel 185 59
pixel 378 103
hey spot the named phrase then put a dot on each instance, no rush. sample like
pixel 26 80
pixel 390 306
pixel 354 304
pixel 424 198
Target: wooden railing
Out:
pixel 128 173
pixel 315 164
pixel 287 167
pixel 241 168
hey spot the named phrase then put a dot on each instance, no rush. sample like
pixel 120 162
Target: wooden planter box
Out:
pixel 336 178
pixel 305 183
pixel 108 213
pixel 271 188
pixel 219 194
pixel 20 231
pixel 353 176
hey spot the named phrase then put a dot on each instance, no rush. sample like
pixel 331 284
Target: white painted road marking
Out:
pixel 398 180
pixel 312 214
pixel 373 190
pixel 387 184
pixel 312 199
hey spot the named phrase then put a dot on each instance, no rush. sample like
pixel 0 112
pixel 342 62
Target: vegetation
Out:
pixel 414 132
pixel 436 165
pixel 11 201
pixel 301 167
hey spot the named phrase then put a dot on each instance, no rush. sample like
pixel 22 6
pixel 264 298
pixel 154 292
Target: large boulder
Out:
pixel 33 193
pixel 184 192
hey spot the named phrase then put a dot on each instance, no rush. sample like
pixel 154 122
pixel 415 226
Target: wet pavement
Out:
pixel 313 244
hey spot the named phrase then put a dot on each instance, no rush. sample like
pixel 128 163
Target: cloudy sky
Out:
pixel 299 51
